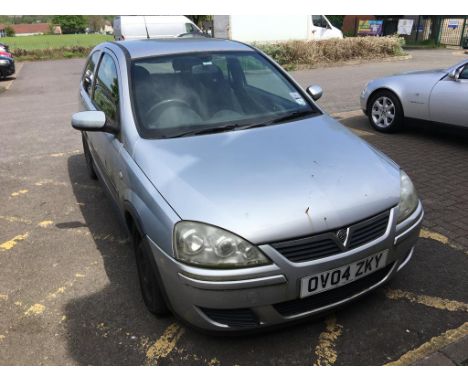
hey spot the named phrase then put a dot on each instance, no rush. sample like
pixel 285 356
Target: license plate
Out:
pixel 337 277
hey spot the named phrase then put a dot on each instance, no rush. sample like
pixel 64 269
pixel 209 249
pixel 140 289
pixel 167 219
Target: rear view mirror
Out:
pixel 315 92
pixel 89 121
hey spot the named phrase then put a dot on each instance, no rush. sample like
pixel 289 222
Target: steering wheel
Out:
pixel 164 104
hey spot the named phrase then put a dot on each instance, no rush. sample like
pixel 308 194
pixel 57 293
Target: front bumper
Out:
pixel 253 298
pixel 363 100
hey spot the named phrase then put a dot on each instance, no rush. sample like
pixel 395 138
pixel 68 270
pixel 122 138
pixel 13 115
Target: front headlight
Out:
pixel 4 62
pixel 408 197
pixel 207 246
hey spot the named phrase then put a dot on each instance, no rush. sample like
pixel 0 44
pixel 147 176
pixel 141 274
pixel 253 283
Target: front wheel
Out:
pixel 149 285
pixel 385 112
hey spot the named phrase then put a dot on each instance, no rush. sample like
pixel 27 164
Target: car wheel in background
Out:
pixel 149 285
pixel 89 159
pixel 385 112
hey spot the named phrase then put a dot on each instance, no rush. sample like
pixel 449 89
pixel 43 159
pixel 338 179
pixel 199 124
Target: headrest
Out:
pixel 140 74
pixel 185 64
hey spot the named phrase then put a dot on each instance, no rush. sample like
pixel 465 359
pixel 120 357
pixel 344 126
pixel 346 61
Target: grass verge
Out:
pixel 49 47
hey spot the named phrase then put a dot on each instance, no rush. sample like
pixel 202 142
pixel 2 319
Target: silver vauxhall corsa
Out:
pixel 247 204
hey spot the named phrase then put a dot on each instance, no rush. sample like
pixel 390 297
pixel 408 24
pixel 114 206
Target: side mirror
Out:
pixel 315 92
pixel 89 121
pixel 455 73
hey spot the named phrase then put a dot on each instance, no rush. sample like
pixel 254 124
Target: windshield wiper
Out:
pixel 209 130
pixel 283 118
pixel 237 126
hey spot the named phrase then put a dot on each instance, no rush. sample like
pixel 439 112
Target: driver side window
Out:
pixel 106 91
pixel 319 21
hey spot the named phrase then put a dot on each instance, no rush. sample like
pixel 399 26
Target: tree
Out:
pixel 337 21
pixel 198 19
pixel 9 31
pixel 70 24
pixel 96 23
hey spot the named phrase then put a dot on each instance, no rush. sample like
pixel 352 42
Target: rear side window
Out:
pixel 106 92
pixel 88 74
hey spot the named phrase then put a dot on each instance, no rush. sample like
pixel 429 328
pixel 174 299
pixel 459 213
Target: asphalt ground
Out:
pixel 69 293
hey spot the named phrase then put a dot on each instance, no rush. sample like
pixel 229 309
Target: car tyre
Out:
pixel 385 112
pixel 89 159
pixel 149 279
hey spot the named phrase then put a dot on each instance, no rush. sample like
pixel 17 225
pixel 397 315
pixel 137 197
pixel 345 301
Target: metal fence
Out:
pixel 446 30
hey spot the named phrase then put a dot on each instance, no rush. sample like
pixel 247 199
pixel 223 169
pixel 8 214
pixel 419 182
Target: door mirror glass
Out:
pixel 89 121
pixel 315 92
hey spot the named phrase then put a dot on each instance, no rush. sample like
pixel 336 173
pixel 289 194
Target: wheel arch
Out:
pixel 388 89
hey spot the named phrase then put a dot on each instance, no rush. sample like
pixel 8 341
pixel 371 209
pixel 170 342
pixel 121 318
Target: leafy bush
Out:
pixel 312 53
pixel 9 31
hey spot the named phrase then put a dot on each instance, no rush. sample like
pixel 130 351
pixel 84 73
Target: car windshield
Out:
pixel 205 93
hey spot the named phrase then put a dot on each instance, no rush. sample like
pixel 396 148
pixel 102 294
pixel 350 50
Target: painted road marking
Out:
pixel 427 234
pixel 165 344
pixel 7 245
pixel 361 133
pixel 45 223
pixel 433 302
pixel 352 114
pixel 20 192
pixel 348 114
pixel 35 310
pixel 14 219
pixel 431 346
pixel 325 350
pixel 434 236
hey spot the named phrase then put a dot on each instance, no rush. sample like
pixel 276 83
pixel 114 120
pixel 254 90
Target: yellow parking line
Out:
pixel 45 223
pixel 431 346
pixel 35 310
pixel 7 245
pixel 434 236
pixel 20 192
pixel 426 234
pixel 14 219
pixel 325 350
pixel 361 133
pixel 433 302
pixel 165 344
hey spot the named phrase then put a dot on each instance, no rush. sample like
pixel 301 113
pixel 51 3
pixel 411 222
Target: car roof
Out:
pixel 160 47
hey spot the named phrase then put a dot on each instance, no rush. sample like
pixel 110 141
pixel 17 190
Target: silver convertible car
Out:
pixel 248 206
pixel 434 95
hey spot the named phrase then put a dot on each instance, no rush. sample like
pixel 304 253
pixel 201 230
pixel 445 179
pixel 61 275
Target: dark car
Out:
pixel 7 66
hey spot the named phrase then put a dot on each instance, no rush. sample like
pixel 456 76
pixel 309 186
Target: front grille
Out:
pixel 367 231
pixel 307 249
pixel 291 308
pixel 327 244
pixel 240 318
